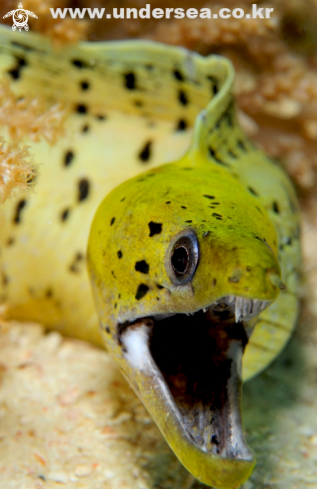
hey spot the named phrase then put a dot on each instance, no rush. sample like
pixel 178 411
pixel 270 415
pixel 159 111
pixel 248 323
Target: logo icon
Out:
pixel 20 18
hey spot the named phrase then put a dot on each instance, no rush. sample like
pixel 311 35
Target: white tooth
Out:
pixel 188 314
pixel 238 308
pixel 245 308
pixel 204 309
pixel 231 298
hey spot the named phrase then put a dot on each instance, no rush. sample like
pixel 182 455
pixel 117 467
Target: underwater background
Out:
pixel 276 93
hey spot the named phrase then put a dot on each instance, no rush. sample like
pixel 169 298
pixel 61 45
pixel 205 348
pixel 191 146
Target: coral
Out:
pixel 16 169
pixel 30 117
pixel 276 85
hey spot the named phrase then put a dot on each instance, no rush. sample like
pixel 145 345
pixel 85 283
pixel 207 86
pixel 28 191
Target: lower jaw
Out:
pixel 189 378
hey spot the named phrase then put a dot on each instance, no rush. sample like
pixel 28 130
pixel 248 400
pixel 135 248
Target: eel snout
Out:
pixel 187 371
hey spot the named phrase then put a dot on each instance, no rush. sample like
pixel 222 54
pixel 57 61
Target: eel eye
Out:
pixel 180 260
pixel 183 258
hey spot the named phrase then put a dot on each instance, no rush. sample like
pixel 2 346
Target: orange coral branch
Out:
pixel 30 117
pixel 16 169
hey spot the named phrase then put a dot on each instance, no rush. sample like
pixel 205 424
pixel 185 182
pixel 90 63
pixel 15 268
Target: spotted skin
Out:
pixel 135 106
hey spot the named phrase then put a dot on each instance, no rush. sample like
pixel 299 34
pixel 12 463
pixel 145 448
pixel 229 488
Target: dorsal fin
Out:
pixel 137 77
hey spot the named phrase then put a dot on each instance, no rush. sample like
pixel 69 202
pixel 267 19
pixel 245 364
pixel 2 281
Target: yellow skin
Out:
pixel 151 90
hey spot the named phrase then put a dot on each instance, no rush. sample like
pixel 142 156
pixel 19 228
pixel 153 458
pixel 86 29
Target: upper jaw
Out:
pixel 187 371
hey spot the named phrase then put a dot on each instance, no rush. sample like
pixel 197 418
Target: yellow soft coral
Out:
pixel 16 169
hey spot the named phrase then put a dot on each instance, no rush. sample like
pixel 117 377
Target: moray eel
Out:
pixel 193 264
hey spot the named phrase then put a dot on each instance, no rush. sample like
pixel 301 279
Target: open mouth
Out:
pixel 196 360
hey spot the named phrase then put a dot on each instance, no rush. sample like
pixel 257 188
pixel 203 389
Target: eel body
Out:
pixel 193 264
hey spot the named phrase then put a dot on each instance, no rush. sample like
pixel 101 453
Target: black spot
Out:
pixel 112 221
pixel 214 84
pixel 138 103
pixel 49 293
pixel 85 128
pixel 15 71
pixel 210 197
pixel 119 253
pixel 189 221
pixel 10 241
pixel 74 267
pixel 83 189
pixel 108 329
pixel 81 109
pixel 42 477
pixel 119 296
pixel 178 75
pixel 145 153
pixel 216 215
pixel 115 305
pixel 288 241
pixel 141 292
pixel 242 145
pixel 248 269
pixel 159 286
pixel 149 67
pixel 20 205
pixel 64 215
pixel 182 97
pixel 155 228
pixel 79 63
pixel 275 207
pixel 5 279
pixel 100 117
pixel 168 202
pixel 215 157
pixel 252 191
pixel 68 158
pixel 183 207
pixel 130 81
pixel 181 125
pixel 113 274
pixel 85 85
pixel 122 200
pixel 142 266
pixel 214 281
pixel 230 153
